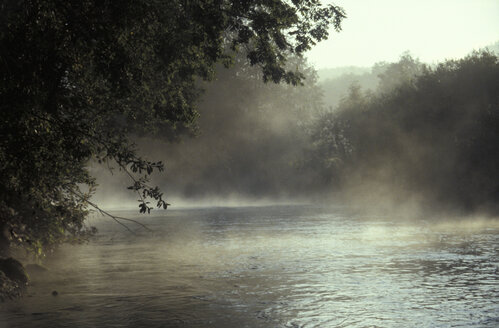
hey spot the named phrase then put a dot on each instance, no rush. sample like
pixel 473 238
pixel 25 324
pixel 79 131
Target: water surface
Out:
pixel 281 266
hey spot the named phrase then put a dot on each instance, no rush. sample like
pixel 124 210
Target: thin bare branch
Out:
pixel 106 213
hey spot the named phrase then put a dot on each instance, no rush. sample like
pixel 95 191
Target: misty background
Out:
pixel 403 135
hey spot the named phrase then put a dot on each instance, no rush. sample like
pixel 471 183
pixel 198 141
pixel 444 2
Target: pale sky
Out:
pixel 431 30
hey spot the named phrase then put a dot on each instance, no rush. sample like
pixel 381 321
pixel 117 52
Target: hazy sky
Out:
pixel 432 30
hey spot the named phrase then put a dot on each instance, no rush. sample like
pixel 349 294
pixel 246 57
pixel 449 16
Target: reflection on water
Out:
pixel 270 267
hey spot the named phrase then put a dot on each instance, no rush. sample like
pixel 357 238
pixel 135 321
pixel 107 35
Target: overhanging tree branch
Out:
pixel 106 213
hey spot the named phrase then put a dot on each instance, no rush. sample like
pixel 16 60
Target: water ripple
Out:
pixel 270 267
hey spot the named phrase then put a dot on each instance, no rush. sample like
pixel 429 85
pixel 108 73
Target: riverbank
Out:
pixel 13 279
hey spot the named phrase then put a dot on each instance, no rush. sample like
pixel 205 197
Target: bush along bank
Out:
pixel 13 279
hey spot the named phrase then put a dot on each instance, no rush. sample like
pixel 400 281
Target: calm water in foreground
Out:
pixel 276 266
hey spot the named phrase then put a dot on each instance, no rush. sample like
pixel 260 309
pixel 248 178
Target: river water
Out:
pixel 275 266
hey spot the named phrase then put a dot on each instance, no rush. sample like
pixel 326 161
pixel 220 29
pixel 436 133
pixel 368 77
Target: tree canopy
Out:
pixel 78 78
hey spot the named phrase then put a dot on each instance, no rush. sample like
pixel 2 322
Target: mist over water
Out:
pixel 278 266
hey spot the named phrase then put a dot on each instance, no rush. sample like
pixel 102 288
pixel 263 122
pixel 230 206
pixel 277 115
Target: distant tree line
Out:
pixel 428 135
pixel 382 75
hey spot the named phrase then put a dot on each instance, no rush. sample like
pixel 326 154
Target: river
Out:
pixel 273 266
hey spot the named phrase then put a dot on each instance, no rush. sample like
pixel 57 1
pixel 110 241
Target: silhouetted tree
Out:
pixel 77 78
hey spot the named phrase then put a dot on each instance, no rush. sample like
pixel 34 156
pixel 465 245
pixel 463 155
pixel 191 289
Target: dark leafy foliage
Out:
pixel 78 78
pixel 432 137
